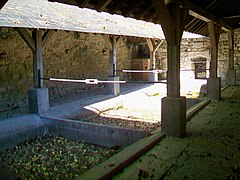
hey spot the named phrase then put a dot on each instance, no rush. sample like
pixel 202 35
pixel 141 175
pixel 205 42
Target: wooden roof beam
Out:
pixel 150 16
pixel 129 9
pixel 102 5
pixel 26 37
pixel 82 4
pixel 204 15
pixel 231 17
pixel 141 14
pixel 115 8
pixel 165 19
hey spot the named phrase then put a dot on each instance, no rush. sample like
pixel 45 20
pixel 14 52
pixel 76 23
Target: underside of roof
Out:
pixel 227 11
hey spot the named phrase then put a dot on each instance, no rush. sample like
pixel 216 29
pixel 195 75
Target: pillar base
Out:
pixel 114 88
pixel 214 88
pixel 153 77
pixel 173 120
pixel 231 77
pixel 38 100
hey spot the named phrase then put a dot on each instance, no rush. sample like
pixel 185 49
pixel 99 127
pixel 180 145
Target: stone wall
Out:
pixel 200 47
pixel 66 55
pixel 79 56
pixel 237 52
pixel 15 71
pixel 190 49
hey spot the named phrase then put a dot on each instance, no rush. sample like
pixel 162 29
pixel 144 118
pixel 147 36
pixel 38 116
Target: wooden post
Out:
pixel 38 96
pixel 37 59
pixel 214 33
pixel 173 72
pixel 213 82
pixel 111 43
pixel 153 48
pixel 36 43
pixel 231 49
pixel 113 58
pixel 231 73
pixel 173 115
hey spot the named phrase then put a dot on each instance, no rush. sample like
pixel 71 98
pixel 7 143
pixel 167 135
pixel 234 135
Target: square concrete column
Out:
pixel 214 88
pixel 153 77
pixel 231 77
pixel 114 88
pixel 173 120
pixel 38 100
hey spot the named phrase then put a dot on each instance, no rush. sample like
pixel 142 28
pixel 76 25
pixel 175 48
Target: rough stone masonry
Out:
pixel 81 56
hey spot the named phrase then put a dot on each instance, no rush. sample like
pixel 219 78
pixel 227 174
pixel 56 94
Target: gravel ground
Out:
pixel 51 157
pixel 133 124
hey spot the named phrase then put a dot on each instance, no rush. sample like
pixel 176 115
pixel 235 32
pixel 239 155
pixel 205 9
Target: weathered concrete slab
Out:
pixel 17 129
pixel 108 136
pixel 214 88
pixel 231 77
pixel 38 100
pixel 114 88
pixel 173 120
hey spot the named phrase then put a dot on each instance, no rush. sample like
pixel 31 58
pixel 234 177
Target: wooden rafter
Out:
pixel 202 14
pixel 165 19
pixel 130 8
pixel 141 13
pixel 116 7
pixel 82 3
pixel 150 16
pixel 214 33
pixel 26 37
pixel 46 36
pixel 102 4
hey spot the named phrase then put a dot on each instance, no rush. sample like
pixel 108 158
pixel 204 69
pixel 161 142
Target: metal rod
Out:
pixel 96 81
pixel 147 82
pixel 192 69
pixel 152 71
pixel 142 71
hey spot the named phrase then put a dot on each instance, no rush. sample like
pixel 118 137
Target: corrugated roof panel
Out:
pixel 47 15
pixel 43 14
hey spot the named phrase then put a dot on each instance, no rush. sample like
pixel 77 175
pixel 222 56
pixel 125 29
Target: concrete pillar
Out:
pixel 153 77
pixel 38 100
pixel 174 116
pixel 214 88
pixel 231 77
pixel 114 88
